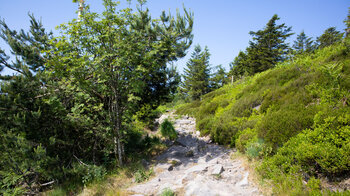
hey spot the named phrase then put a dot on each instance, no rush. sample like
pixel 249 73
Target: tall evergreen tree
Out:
pixel 268 46
pixel 197 74
pixel 303 43
pixel 239 67
pixel 219 78
pixel 347 24
pixel 29 121
pixel 330 36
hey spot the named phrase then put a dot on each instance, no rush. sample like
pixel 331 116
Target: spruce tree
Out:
pixel 347 24
pixel 219 78
pixel 239 67
pixel 330 36
pixel 303 43
pixel 268 46
pixel 197 74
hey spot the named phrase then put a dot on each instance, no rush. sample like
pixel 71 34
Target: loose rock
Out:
pixel 190 163
pixel 217 170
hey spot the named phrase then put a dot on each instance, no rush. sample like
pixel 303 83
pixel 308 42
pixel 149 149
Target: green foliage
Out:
pixel 128 79
pixel 142 175
pixel 301 127
pixel 196 75
pixel 219 78
pixel 347 24
pixel 329 37
pixel 88 173
pixel 266 49
pixel 167 130
pixel 279 126
pixel 303 44
pixel 247 136
pixel 254 148
pixel 74 97
pixel 167 192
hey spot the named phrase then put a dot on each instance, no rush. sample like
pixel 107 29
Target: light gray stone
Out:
pixel 217 169
pixel 192 174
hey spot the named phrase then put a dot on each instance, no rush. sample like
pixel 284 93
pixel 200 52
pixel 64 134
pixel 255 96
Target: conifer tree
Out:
pixel 27 120
pixel 303 43
pixel 347 24
pixel 268 46
pixel 219 78
pixel 239 67
pixel 197 74
pixel 330 36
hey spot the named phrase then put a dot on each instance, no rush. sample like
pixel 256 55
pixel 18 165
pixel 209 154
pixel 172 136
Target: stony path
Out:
pixel 194 166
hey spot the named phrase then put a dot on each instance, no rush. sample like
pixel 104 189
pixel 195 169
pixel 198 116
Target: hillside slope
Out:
pixel 294 117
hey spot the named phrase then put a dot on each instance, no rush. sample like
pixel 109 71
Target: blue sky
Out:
pixel 222 25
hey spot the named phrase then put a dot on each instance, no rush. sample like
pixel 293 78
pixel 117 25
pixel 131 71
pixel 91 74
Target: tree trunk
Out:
pixel 115 115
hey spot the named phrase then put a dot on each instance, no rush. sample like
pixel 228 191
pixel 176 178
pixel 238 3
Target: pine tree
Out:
pixel 239 67
pixel 268 46
pixel 197 74
pixel 330 36
pixel 219 78
pixel 29 120
pixel 303 43
pixel 347 24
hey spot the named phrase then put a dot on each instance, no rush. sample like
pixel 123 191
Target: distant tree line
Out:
pixel 267 48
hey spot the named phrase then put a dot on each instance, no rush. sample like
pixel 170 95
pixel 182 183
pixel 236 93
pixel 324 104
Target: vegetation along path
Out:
pixel 192 165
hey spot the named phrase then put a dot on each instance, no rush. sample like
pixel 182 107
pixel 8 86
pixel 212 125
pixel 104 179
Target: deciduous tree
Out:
pixel 119 58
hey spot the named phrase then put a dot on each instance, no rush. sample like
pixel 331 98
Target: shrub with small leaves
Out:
pixel 167 130
pixel 167 192
pixel 142 175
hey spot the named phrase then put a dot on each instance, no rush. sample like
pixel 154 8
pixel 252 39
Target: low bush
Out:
pixel 247 136
pixel 255 148
pixel 324 150
pixel 142 175
pixel 188 109
pixel 167 130
pixel 87 173
pixel 278 126
pixel 167 192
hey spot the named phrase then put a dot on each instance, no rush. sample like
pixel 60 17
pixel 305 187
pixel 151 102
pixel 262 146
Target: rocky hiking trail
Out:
pixel 192 165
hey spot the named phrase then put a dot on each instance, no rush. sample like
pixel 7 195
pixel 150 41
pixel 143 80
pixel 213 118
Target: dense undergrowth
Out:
pixel 295 117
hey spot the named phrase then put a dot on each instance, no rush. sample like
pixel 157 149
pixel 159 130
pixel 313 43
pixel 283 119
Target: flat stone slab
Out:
pixel 217 169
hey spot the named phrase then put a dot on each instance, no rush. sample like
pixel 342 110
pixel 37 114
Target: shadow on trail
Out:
pixel 189 149
pixel 194 166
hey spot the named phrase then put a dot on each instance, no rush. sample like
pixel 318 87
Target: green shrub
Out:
pixel 324 149
pixel 254 148
pixel 167 192
pixel 89 173
pixel 223 132
pixel 142 175
pixel 246 137
pixel 167 130
pixel 278 126
pixel 207 109
pixel 189 108
pixel 205 125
